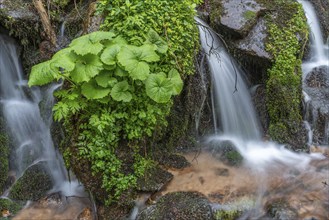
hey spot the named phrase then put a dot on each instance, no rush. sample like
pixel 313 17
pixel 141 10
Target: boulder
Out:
pixel 33 185
pixel 317 106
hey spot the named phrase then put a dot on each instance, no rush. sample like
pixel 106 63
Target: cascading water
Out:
pixel 30 134
pixel 231 99
pixel 270 170
pixel 316 81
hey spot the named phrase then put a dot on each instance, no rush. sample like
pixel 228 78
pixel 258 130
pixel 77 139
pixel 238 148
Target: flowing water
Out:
pixel 316 93
pixel 28 128
pixel 269 172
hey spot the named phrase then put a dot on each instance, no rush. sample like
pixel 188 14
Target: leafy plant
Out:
pixel 113 90
pixel 172 20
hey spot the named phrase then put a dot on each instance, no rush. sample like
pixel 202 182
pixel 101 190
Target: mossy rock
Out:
pixel 11 206
pixel 280 210
pixel 33 185
pixel 179 206
pixel 226 152
pixel 174 161
pixel 153 180
pixel 4 155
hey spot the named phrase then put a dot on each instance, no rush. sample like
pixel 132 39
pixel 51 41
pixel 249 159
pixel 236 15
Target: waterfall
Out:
pixel 316 67
pixel 233 112
pixel 30 134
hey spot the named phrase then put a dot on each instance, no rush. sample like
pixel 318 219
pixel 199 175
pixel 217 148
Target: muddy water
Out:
pixel 74 208
pixel 305 191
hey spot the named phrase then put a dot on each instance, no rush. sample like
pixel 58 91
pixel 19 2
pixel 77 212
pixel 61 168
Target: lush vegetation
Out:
pixel 119 84
pixel 286 41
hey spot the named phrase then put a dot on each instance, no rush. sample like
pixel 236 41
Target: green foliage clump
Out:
pixel 283 87
pixel 114 93
pixel 172 20
pixel 230 214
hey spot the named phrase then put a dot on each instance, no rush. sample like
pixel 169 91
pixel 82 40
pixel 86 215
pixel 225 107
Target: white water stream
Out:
pixel 319 57
pixel 30 133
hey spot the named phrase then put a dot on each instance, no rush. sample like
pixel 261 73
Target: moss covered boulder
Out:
pixel 178 206
pixel 4 156
pixel 33 185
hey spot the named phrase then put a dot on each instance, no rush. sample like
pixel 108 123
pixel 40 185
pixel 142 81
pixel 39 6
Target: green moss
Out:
pixel 227 214
pixel 33 185
pixel 249 15
pixel 283 88
pixel 4 154
pixel 7 204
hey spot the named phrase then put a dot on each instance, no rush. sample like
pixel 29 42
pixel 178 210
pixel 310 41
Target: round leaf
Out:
pixel 158 88
pixel 176 80
pixel 42 73
pixel 110 53
pixel 88 67
pixel 120 92
pixel 92 91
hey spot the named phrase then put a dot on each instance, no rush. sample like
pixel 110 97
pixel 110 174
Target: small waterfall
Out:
pixel 30 134
pixel 231 98
pixel 316 80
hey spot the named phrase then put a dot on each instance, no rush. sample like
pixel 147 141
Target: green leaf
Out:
pixel 176 80
pixel 43 73
pixel 101 35
pixel 120 72
pixel 159 88
pixel 132 59
pixel 148 53
pixel 64 59
pixel 86 68
pixel 120 92
pixel 154 38
pixel 105 79
pixel 90 44
pixel 116 41
pixel 92 91
pixel 110 53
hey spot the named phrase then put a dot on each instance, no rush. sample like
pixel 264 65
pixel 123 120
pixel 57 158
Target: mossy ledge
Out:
pixel 286 41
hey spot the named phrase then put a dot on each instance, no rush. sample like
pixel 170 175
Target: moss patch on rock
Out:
pixel 4 155
pixel 33 185
pixel 10 206
pixel 286 41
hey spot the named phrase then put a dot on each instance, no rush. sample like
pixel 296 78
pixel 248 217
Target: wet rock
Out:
pixel 322 9
pixel 237 17
pixel 153 180
pixel 33 185
pixel 280 210
pixel 222 172
pixel 178 206
pixel 226 152
pixel 318 77
pixel 317 105
pixel 174 161
pixel 258 93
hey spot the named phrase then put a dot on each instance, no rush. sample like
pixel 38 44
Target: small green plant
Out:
pixel 117 94
pixel 172 20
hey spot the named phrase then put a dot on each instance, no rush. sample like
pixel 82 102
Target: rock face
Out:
pixel 244 30
pixel 33 185
pixel 317 105
pixel 321 7
pixel 251 29
pixel 179 206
